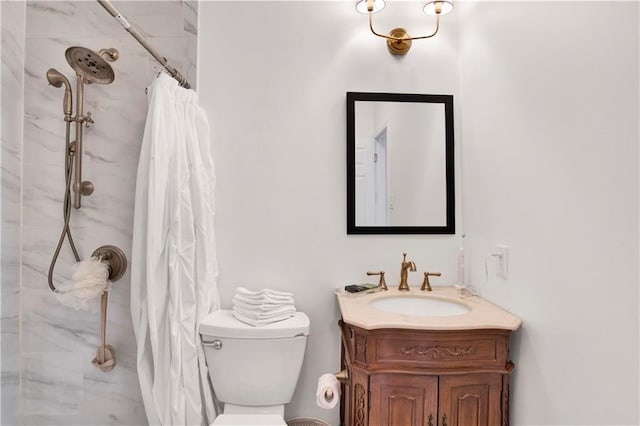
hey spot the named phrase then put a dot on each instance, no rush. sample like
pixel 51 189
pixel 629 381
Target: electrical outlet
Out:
pixel 502 261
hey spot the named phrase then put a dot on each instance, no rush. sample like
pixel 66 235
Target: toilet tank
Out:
pixel 254 366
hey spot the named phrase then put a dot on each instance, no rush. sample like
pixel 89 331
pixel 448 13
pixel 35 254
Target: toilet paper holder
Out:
pixel 342 377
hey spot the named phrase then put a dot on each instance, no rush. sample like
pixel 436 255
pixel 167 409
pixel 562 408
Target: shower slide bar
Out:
pixel 161 59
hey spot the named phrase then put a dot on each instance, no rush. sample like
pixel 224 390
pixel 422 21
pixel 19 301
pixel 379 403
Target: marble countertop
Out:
pixel 356 309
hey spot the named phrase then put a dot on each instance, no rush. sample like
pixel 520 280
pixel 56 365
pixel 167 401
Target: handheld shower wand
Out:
pixel 57 79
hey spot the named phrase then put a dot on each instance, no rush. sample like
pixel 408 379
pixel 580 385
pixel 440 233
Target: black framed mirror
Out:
pixel 400 164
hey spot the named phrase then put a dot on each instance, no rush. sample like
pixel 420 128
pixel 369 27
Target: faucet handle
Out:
pixel 425 284
pixel 382 284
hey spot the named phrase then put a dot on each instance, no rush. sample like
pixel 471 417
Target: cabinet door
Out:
pixel 470 400
pixel 403 400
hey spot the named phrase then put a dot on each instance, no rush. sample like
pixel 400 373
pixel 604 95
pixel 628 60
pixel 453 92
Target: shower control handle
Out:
pixel 84 188
pixel 88 121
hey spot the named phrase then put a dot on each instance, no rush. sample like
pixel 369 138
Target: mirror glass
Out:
pixel 400 164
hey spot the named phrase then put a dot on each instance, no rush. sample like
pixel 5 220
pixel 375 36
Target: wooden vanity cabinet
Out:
pixel 402 399
pixel 401 377
pixel 473 399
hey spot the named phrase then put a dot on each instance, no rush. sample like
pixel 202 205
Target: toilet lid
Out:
pixel 222 323
pixel 249 420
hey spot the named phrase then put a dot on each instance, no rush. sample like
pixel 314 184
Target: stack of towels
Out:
pixel 262 307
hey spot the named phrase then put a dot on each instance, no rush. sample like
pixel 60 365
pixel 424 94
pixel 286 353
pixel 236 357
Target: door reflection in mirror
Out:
pixel 400 163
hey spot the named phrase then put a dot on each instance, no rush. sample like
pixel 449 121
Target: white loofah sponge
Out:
pixel 89 280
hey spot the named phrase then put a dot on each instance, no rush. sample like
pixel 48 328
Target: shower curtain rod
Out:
pixel 127 26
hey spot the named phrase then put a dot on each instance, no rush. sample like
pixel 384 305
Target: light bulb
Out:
pixel 437 7
pixel 378 5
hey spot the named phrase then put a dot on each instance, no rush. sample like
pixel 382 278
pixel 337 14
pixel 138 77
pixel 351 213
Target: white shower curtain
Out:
pixel 174 268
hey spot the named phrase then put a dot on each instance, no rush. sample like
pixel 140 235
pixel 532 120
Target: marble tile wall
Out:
pixel 59 385
pixel 13 17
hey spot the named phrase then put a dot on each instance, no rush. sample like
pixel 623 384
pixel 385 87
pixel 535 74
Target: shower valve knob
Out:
pixel 84 188
pixel 87 188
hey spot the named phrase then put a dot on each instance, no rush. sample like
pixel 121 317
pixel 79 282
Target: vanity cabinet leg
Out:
pixel 505 400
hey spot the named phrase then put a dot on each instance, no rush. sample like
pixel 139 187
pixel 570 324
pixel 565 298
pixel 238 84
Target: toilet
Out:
pixel 253 370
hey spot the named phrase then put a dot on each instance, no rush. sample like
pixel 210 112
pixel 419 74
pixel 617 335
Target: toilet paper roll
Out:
pixel 327 382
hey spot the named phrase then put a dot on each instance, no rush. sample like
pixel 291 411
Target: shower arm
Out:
pixel 131 30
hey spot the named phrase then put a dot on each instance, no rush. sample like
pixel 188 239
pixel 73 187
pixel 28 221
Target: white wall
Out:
pixel 548 101
pixel 550 134
pixel 273 77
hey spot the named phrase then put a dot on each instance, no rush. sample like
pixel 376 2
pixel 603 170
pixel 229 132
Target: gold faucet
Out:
pixel 406 266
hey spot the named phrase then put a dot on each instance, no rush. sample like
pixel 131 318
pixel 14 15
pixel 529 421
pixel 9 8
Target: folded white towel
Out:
pixel 285 310
pixel 255 305
pixel 262 307
pixel 259 300
pixel 259 322
pixel 265 292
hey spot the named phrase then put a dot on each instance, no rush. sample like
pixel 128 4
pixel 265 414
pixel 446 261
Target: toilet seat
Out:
pixel 249 420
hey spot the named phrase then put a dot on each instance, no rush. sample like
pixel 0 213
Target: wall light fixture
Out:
pixel 398 40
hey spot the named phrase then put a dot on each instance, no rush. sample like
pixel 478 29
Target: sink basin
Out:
pixel 419 306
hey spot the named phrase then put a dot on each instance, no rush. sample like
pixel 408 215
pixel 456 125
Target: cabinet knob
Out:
pixel 444 420
pixel 430 420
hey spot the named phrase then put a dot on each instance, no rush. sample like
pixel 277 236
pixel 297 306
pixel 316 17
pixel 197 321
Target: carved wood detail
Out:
pixel 361 405
pixel 437 351
pixel 469 395
pixel 361 348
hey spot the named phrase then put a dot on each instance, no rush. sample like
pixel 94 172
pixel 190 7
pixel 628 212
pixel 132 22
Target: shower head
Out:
pixel 57 79
pixel 89 65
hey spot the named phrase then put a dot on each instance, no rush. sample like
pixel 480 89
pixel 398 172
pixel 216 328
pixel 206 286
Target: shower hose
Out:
pixel 66 231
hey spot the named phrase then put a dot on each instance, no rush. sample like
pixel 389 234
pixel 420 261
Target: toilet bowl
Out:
pixel 253 370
